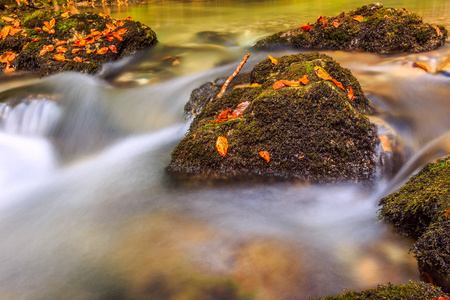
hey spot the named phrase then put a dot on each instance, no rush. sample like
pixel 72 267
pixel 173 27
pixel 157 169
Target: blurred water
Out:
pixel 88 212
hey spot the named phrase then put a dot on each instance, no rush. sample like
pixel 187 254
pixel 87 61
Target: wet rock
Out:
pixel 312 132
pixel 419 210
pixel 89 42
pixel 372 28
pixel 412 291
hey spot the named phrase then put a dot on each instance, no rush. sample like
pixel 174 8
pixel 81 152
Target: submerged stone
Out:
pixel 312 132
pixel 372 28
pixel 48 41
pixel 420 209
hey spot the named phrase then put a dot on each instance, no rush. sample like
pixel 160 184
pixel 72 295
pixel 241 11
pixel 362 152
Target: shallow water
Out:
pixel 88 212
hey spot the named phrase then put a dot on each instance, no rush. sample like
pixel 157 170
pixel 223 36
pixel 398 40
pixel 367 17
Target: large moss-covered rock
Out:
pixel 312 132
pixel 412 291
pixel 372 28
pixel 98 43
pixel 418 210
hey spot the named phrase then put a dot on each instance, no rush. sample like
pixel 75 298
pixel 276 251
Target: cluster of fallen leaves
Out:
pixel 82 43
pixel 336 23
pixel 322 74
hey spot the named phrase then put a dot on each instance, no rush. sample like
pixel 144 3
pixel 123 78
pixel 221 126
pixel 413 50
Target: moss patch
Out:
pixel 382 30
pixel 31 39
pixel 418 210
pixel 412 291
pixel 313 132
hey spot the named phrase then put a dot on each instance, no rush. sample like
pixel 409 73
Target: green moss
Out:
pixel 411 291
pixel 422 36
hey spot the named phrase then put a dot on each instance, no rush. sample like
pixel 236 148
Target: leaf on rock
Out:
pixel 350 93
pixel 8 57
pixel 59 57
pixel 321 73
pixel 117 36
pixel 112 48
pixel 61 50
pixel 239 110
pixel 59 43
pixel 65 14
pixel 111 26
pixel 278 85
pixel 121 31
pixel 273 59
pixel 358 18
pixel 119 23
pixel 223 116
pixel 222 145
pixel 77 59
pixel 447 212
pixel 338 83
pixel 304 80
pixel 307 27
pixel 5 31
pixel 336 24
pixel 265 155
pixel 438 31
pixel 7 19
pixel 35 40
pixel 102 51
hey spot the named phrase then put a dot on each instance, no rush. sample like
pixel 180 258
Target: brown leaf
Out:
pixel 222 145
pixel 265 155
pixel 273 60
pixel 358 18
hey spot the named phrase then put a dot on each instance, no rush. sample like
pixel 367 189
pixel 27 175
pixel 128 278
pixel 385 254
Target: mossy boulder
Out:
pixel 411 291
pixel 312 132
pixel 98 43
pixel 372 28
pixel 418 210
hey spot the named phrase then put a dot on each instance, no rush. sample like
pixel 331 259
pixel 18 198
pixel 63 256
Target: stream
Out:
pixel 87 210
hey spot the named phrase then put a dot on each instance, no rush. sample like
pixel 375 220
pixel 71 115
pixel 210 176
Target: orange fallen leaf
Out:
pixel 38 29
pixel 222 145
pixel 307 27
pixel 121 31
pixel 8 57
pixel 46 48
pixel 25 46
pixel 80 43
pixel 265 155
pixel 321 19
pixel 239 110
pixel 438 31
pixel 128 18
pixel 117 36
pixel 112 48
pixel 35 40
pixel 278 85
pixel 447 212
pixel 358 18
pixel 59 43
pixel 119 23
pixel 111 26
pixel 336 24
pixel 7 19
pixel 76 50
pixel 420 66
pixel 350 93
pixel 61 50
pixel 321 73
pixel 338 83
pixel 304 80
pixel 273 59
pixel 223 116
pixel 144 27
pixel 65 14
pixel 5 31
pixel 102 51
pixel 77 59
pixel 9 69
pixel 59 57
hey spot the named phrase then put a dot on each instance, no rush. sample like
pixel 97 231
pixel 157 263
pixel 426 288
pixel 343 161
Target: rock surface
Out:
pixel 74 42
pixel 371 28
pixel 312 132
pixel 420 210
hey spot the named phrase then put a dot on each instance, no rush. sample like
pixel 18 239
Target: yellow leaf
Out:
pixel 273 60
pixel 321 73
pixel 222 145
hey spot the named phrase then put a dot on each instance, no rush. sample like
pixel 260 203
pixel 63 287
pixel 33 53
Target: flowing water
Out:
pixel 88 212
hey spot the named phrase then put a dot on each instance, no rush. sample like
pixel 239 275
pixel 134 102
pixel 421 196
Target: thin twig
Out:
pixel 224 86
